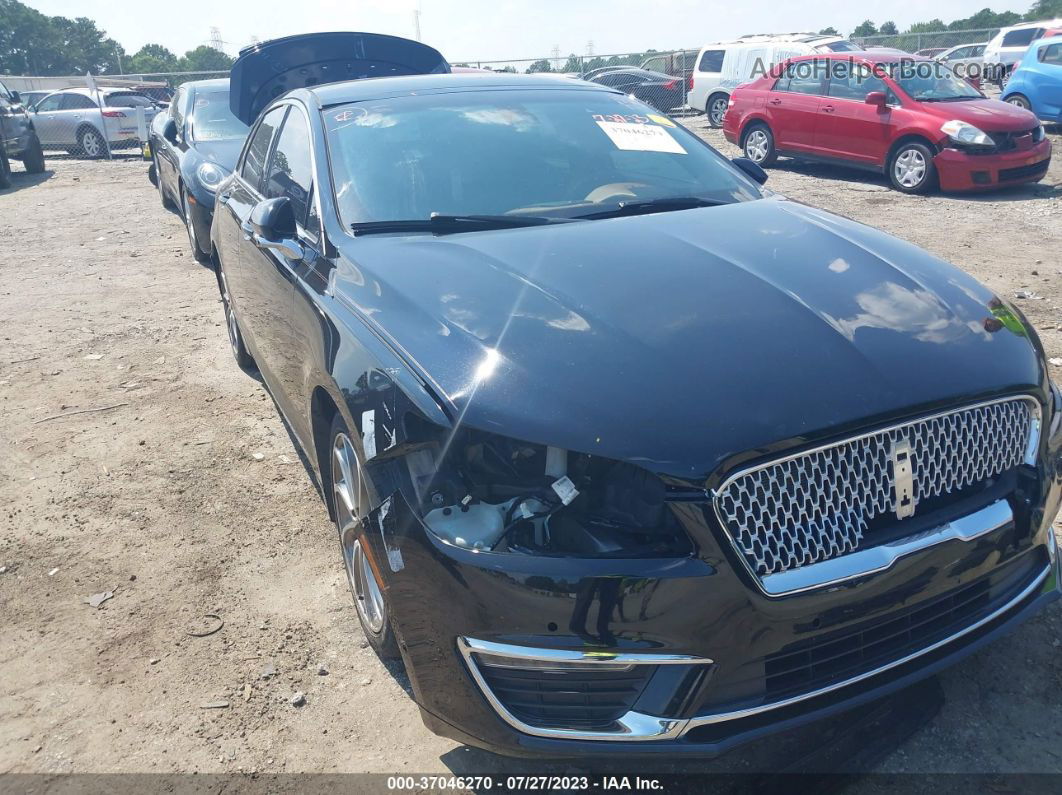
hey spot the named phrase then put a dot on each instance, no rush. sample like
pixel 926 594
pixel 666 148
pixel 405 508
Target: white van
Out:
pixel 722 66
pixel 1009 45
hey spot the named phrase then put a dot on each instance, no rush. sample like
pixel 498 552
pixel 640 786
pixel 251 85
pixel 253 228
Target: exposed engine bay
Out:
pixel 496 494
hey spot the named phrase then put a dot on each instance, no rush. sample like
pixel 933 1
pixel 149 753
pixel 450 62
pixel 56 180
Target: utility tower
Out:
pixel 416 24
pixel 555 53
pixel 590 48
pixel 215 40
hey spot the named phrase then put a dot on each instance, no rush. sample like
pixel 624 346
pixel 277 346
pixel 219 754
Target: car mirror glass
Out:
pixel 273 219
pixel 169 132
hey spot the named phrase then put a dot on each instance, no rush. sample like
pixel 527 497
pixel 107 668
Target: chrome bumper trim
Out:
pixel 633 726
pixel 746 713
pixel 877 559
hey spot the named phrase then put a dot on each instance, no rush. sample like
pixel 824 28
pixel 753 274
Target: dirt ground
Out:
pixel 179 491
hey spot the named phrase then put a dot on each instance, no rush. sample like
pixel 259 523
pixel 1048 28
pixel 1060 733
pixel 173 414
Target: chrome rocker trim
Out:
pixel 873 560
pixel 633 726
pixel 636 726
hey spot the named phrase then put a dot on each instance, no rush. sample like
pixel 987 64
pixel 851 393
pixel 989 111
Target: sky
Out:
pixel 499 29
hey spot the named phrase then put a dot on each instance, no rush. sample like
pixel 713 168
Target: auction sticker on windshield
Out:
pixel 641 137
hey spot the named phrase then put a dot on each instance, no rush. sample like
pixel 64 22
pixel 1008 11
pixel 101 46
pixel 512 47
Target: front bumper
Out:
pixel 962 171
pixel 716 632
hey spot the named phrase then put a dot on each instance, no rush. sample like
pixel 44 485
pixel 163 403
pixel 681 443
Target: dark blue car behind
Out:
pixel 194 146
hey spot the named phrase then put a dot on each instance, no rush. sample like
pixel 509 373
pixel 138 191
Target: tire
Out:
pixel 33 159
pixel 5 168
pixel 167 202
pixel 911 168
pixel 758 145
pixel 189 226
pixel 152 174
pixel 91 144
pixel 1019 100
pixel 715 109
pixel 347 500
pixel 239 348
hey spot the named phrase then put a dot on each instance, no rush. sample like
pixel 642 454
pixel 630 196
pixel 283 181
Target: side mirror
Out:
pixel 273 226
pixel 878 100
pixel 169 131
pixel 751 169
pixel 15 98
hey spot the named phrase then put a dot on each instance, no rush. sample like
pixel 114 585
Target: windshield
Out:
pixel 127 101
pixel 930 81
pixel 212 120
pixel 842 46
pixel 532 152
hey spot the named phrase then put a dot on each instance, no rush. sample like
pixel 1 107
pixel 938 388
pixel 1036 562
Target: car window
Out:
pixel 533 152
pixel 962 52
pixel 711 61
pixel 50 102
pixel 1052 54
pixel 803 77
pixel 976 51
pixel 212 120
pixel 852 82
pixel 176 104
pixel 127 101
pixel 255 160
pixel 1022 38
pixel 77 102
pixel 290 167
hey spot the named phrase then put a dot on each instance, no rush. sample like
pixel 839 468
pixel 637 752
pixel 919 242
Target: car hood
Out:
pixel 265 71
pixel 679 340
pixel 223 153
pixel 990 115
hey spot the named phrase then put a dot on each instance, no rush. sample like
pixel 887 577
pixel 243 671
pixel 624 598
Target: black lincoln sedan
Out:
pixel 626 453
pixel 194 146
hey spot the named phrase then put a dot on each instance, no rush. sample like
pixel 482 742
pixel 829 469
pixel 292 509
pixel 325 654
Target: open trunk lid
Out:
pixel 267 70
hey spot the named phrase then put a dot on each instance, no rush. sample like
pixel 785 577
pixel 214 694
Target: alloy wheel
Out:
pixel 193 241
pixel 910 168
pixel 1019 102
pixel 757 146
pixel 230 316
pixel 91 143
pixel 717 110
pixel 346 487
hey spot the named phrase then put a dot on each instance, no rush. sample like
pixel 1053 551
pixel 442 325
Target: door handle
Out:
pixel 828 109
pixel 774 101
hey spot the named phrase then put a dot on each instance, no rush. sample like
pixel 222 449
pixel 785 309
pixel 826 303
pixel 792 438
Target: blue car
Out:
pixel 1037 82
pixel 194 146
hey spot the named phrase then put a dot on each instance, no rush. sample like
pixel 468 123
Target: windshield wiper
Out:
pixel 447 224
pixel 662 205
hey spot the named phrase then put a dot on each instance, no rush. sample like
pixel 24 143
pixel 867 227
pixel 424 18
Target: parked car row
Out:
pixel 464 290
pixel 916 121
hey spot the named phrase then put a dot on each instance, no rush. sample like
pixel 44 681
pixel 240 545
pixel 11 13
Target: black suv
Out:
pixel 18 139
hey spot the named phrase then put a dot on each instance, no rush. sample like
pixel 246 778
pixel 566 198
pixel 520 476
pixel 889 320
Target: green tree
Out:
pixel 831 31
pixel 204 59
pixel 542 65
pixel 867 28
pixel 1044 9
pixel 927 27
pixel 151 58
pixel 888 28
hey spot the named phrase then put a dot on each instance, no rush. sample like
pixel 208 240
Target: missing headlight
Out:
pixel 490 493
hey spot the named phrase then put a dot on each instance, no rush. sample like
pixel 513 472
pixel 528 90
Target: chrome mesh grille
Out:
pixel 817 505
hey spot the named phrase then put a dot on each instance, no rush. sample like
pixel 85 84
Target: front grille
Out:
pixel 1009 141
pixel 818 505
pixel 1023 172
pixel 587 698
pixel 808 665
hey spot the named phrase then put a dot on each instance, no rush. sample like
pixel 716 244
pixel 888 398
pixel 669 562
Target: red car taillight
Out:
pixel 113 114
pixel 670 85
pixel 689 84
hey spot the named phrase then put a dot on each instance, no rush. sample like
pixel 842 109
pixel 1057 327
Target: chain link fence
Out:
pixel 936 41
pixel 660 79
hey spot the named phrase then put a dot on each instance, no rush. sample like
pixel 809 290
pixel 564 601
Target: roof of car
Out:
pixel 381 87
pixel 217 82
pixel 868 56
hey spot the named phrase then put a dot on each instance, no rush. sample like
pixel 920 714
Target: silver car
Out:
pixel 87 122
pixel 967 60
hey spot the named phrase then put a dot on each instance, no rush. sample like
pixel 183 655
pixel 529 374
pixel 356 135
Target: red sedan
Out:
pixel 910 118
